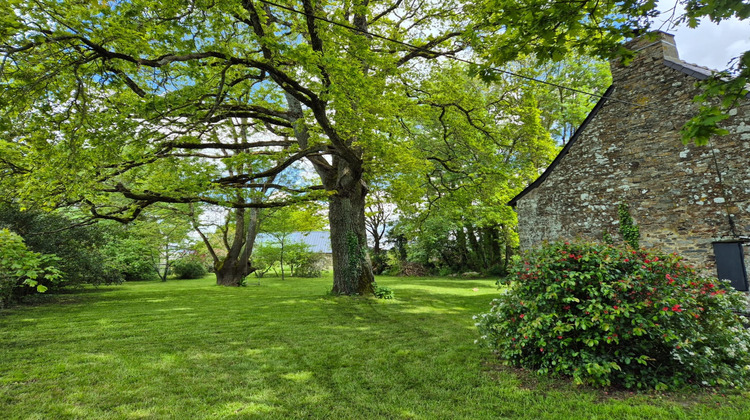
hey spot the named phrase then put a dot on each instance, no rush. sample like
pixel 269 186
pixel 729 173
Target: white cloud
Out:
pixel 711 45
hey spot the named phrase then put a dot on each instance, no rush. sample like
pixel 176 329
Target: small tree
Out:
pixel 21 267
pixel 283 222
pixel 265 257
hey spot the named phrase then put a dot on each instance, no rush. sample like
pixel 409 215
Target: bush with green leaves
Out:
pixel 21 267
pixel 304 263
pixel 382 292
pixel 80 249
pixel 618 316
pixel 128 257
pixel 188 268
pixel 265 257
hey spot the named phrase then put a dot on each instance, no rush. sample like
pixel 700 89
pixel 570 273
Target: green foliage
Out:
pixel 265 257
pixel 379 261
pixel 609 316
pixel 188 268
pixel 630 232
pixel 394 264
pixel 21 267
pixel 80 249
pixel 382 292
pixel 479 144
pixel 357 253
pixel 303 262
pixel 131 257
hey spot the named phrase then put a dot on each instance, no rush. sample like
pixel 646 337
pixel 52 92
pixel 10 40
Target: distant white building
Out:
pixel 318 241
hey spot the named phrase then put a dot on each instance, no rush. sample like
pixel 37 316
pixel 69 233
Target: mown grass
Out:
pixel 284 349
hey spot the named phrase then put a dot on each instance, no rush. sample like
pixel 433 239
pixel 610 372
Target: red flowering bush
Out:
pixel 616 316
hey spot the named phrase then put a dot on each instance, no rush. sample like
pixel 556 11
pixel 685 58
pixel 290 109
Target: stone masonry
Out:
pixel 629 150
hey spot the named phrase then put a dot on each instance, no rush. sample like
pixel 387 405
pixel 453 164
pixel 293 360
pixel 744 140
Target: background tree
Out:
pixel 164 235
pixel 283 222
pixel 477 144
pixel 378 217
pixel 241 225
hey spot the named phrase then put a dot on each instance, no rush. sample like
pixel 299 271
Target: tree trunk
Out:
pixel 352 270
pixel 230 272
pixel 463 251
pixel 477 257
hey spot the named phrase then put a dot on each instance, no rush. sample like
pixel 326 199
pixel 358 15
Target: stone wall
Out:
pixel 631 152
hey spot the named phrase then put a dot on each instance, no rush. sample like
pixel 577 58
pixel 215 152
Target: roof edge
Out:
pixel 566 148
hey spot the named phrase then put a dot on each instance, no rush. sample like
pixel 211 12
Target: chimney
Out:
pixel 656 45
pixel 651 47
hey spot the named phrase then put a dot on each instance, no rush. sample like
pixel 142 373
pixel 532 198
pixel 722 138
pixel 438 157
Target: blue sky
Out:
pixel 709 44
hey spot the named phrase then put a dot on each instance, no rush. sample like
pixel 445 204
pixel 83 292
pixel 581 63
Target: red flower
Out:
pixel 665 308
pixel 541 349
pixel 521 316
pixel 676 308
pixel 559 337
pixel 614 307
pixel 627 260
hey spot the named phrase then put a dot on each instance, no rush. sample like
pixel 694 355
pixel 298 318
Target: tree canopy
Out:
pixel 115 106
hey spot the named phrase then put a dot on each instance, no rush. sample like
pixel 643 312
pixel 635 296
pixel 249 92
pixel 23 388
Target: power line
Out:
pixel 447 55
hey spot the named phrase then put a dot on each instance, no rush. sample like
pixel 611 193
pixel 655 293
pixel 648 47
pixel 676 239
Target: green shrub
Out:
pixel 610 316
pixel 80 249
pixel 21 267
pixel 128 257
pixel 188 268
pixel 382 292
pixel 302 261
pixel 265 257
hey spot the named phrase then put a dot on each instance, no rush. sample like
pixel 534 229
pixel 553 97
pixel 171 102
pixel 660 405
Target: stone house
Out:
pixel 690 199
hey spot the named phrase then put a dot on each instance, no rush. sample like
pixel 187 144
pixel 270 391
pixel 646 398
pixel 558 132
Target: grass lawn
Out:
pixel 189 349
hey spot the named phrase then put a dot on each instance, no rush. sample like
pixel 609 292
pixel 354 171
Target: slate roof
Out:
pixel 318 241
pixel 699 72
